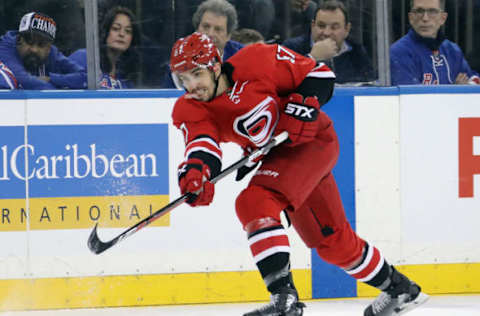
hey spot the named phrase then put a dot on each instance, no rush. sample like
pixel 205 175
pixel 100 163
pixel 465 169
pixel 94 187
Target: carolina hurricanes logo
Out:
pixel 258 124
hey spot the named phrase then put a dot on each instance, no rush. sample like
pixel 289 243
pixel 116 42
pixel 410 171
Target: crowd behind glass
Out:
pixel 135 38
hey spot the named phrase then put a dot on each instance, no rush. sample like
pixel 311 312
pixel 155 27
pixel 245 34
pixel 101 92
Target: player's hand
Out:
pixel 462 78
pixel 300 119
pixel 324 49
pixel 194 178
pixel 249 166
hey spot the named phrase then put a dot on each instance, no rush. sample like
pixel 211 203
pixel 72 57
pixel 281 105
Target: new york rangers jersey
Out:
pixel 412 62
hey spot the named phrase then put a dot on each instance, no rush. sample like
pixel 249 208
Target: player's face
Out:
pixel 198 82
pixel 330 24
pixel 33 49
pixel 215 26
pixel 426 17
pixel 121 33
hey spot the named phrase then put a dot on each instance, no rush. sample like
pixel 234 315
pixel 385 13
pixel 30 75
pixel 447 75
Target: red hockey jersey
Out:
pixel 263 76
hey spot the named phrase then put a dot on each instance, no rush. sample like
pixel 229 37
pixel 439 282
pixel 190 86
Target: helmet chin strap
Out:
pixel 216 85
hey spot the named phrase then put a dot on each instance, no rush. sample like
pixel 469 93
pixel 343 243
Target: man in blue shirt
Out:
pixel 217 19
pixel 327 42
pixel 34 61
pixel 424 55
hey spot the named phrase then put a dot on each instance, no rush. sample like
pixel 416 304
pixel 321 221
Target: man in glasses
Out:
pixel 424 55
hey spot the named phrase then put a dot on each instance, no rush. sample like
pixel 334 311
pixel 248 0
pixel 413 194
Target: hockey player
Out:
pixel 259 92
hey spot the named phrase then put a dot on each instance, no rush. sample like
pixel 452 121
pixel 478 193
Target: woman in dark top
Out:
pixel 119 59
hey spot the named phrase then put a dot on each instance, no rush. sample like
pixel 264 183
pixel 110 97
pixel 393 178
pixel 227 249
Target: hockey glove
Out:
pixel 194 177
pixel 249 166
pixel 299 119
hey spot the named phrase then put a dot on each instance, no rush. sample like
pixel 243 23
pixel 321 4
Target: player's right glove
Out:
pixel 299 119
pixel 194 177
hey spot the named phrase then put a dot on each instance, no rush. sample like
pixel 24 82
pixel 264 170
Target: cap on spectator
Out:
pixel 38 23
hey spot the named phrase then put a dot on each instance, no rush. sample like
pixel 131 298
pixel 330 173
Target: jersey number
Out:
pixel 285 54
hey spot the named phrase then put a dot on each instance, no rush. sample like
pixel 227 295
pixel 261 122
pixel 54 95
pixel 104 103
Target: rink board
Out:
pixel 407 172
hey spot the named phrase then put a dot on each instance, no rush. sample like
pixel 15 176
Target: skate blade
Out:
pixel 419 300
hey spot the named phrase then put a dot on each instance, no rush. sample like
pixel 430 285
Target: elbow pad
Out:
pixel 322 88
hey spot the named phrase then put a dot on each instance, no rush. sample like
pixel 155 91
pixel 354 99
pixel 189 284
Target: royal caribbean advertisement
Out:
pixel 78 175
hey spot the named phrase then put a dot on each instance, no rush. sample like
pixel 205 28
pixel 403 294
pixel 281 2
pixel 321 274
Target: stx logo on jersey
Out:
pixel 468 154
pixel 301 112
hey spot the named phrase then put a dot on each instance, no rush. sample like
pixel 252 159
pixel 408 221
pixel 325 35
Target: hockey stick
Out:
pixel 97 246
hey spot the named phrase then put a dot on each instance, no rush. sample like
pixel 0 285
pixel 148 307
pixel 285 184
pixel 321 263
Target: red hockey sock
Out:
pixel 271 251
pixel 373 269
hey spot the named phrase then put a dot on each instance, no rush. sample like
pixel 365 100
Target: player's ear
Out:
pixel 348 28
pixel 443 16
pixel 217 69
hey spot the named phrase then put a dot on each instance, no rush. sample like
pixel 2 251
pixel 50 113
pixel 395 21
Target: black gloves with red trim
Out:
pixel 299 119
pixel 194 178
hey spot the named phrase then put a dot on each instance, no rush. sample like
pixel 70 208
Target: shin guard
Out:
pixel 259 211
pixel 270 248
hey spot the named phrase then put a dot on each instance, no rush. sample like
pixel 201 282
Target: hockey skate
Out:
pixel 400 297
pixel 283 303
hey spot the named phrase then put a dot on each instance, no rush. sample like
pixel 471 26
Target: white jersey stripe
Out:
pixel 374 272
pixel 194 149
pixel 321 74
pixel 205 139
pixel 271 251
pixel 365 262
pixel 267 234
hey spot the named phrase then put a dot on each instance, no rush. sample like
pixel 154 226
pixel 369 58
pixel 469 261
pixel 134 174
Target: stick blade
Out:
pixel 95 244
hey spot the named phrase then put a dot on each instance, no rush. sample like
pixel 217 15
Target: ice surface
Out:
pixel 440 305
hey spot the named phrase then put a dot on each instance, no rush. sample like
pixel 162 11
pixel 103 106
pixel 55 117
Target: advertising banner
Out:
pixel 440 173
pixel 82 174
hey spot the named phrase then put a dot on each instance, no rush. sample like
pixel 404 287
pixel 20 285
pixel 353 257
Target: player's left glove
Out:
pixel 194 177
pixel 299 119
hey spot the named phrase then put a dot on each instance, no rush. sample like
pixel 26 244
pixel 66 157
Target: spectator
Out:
pixel 68 14
pixel 327 41
pixel 7 79
pixel 217 19
pixel 247 36
pixel 119 60
pixel 424 55
pixel 33 59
